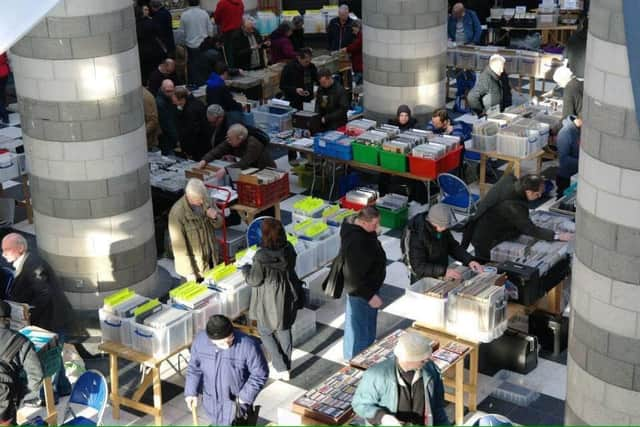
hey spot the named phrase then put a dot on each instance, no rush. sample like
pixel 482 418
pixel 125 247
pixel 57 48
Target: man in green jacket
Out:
pixel 406 389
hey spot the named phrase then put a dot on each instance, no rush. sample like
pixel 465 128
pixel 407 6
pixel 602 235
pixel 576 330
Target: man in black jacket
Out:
pixel 168 139
pixel 332 102
pixel 24 362
pixel 194 131
pixel 503 214
pixel 492 89
pixel 218 124
pixel 298 78
pixel 364 270
pixel 339 33
pixel 431 244
pixel 36 284
pixel 162 24
pixel 248 46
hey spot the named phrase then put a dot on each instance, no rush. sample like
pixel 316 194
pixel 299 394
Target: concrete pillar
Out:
pixel 405 56
pixel 604 346
pixel 77 78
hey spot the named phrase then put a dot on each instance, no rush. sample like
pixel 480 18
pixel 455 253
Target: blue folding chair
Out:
pixel 454 192
pixel 87 401
pixel 254 231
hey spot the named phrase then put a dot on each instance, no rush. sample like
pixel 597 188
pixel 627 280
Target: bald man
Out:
pixel 166 70
pixel 464 26
pixel 167 112
pixel 36 284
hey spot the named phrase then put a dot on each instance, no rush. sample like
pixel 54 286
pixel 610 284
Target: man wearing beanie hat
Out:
pixel 230 369
pixel 430 244
pixel 405 389
pixel 19 356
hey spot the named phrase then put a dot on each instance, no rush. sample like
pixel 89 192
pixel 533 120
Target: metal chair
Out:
pixel 254 231
pixel 88 400
pixel 454 192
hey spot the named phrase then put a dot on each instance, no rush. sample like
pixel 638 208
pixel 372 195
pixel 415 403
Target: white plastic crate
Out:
pixel 429 310
pixel 517 146
pixel 529 63
pixel 478 319
pixel 201 316
pixel 304 327
pixel 115 328
pixel 159 342
pixel 484 142
pixel 451 57
pixel 306 262
pixel 315 22
pixel 466 58
pixel 273 120
pixel 233 303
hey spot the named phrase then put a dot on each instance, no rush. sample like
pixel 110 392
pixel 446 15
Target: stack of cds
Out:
pixel 373 137
pixel 393 202
pixel 429 151
pixel 445 356
pixel 532 253
pixel 485 134
pixel 450 142
pixel 362 196
pixel 557 223
pixel 508 251
pixel 398 145
pixel 502 119
pixel 358 127
pixel 382 350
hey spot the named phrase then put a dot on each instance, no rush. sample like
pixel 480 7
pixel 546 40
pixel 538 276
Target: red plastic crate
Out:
pixel 350 205
pixel 432 168
pixel 258 196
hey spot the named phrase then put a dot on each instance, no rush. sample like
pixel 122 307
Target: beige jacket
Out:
pixel 150 118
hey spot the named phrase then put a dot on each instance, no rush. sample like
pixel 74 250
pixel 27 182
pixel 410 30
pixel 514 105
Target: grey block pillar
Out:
pixel 77 78
pixel 405 48
pixel 604 346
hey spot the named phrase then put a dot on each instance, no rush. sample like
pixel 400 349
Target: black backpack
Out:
pixel 10 384
pixel 258 134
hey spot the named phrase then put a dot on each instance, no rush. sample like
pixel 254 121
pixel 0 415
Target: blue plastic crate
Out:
pixel 340 151
pixel 322 142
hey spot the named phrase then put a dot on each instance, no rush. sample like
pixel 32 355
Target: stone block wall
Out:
pixel 604 346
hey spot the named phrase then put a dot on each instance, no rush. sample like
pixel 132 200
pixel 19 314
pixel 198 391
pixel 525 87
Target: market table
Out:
pixel 515 162
pixel 115 351
pixel 249 213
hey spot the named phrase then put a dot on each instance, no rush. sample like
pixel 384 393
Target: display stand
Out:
pixel 152 378
pixel 515 163
pixel 248 213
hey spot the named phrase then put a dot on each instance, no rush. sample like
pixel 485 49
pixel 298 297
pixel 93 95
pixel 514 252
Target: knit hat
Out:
pixel 441 215
pixel 219 327
pixel 403 109
pixel 412 347
pixel 5 309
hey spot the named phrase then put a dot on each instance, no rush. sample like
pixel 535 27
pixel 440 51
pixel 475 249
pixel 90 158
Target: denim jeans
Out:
pixel 279 344
pixel 359 326
pixel 4 114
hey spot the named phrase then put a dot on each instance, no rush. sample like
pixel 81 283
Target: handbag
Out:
pixel 334 283
pixel 246 418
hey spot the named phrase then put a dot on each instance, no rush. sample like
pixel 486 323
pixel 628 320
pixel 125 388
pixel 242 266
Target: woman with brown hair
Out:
pixel 276 295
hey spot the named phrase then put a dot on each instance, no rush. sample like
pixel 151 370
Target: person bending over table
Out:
pixel 441 124
pixel 251 152
pixel 503 214
pixel 403 390
pixel 431 244
pixel 332 102
pixel 492 89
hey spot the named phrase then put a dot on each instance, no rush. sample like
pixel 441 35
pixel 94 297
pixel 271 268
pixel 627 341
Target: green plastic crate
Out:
pixel 368 154
pixel 393 161
pixel 393 219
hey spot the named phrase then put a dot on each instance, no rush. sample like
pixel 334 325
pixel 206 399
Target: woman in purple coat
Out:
pixel 228 367
pixel 281 46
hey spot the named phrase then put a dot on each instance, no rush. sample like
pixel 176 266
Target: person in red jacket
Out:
pixel 228 17
pixel 355 50
pixel 4 76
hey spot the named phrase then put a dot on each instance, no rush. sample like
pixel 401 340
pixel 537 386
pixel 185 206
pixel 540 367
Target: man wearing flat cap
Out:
pixel 405 389
pixel 228 368
pixel 431 244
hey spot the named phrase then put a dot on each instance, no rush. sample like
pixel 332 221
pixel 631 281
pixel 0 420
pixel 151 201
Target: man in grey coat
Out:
pixel 492 90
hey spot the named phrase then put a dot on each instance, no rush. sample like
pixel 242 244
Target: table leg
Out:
pixel 147 381
pixel 532 86
pixel 555 298
pixel 157 394
pixel 459 393
pixel 276 207
pixel 115 386
pixel 538 164
pixel 483 173
pixel 313 179
pixel 473 379
pixel 52 415
pixel 333 179
pixel 516 168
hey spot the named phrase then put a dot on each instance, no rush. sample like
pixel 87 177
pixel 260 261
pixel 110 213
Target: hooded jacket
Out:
pixel 275 288
pixel 219 93
pixel 429 250
pixel 228 15
pixel 25 361
pixel 281 47
pixel 410 124
pixel 503 214
pixel 365 262
pixel 378 391
pixel 222 375
pixel 193 239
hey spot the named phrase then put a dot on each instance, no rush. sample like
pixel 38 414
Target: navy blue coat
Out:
pixel 222 375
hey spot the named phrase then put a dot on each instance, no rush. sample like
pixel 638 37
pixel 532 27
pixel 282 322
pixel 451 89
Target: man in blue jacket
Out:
pixel 228 368
pixel 464 26
pixel 218 93
pixel 403 390
pixel 441 124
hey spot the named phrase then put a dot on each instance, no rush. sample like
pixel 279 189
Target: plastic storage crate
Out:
pixel 273 120
pixel 517 146
pixel 236 241
pixel 478 319
pixel 256 196
pixel 484 142
pixel 314 22
pixel 510 61
pixel 200 316
pixel 451 57
pixel 393 161
pixel 427 309
pixel 115 328
pixel 393 219
pixel 159 342
pixel 466 58
pixel 432 168
pixel 529 63
pixel 235 302
pixel 368 154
